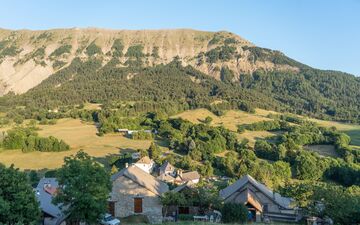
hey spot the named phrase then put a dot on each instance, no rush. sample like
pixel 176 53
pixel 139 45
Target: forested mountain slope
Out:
pixel 183 68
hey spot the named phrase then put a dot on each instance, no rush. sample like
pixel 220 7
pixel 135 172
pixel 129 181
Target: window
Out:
pixel 111 208
pixel 138 205
pixel 265 207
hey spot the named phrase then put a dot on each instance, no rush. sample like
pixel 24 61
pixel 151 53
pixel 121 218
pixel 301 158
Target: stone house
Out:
pixel 136 192
pixel 260 200
pixel 168 173
pixel 167 169
pixel 146 164
pixel 184 177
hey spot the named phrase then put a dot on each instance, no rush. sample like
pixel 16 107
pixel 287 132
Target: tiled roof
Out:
pixel 45 191
pixel 145 160
pixel 193 175
pixel 228 191
pixel 142 178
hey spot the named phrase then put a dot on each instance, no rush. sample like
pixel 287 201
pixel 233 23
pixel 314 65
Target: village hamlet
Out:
pixel 173 112
pixel 144 189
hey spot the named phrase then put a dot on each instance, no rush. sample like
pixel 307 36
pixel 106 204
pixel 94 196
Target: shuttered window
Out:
pixel 138 205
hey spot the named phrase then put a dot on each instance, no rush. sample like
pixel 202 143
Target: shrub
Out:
pixel 93 49
pixel 117 48
pixel 135 51
pixel 234 213
pixel 142 135
pixel 61 50
pixel 208 120
pixel 58 64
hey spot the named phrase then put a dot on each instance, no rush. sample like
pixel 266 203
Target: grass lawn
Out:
pixel 78 135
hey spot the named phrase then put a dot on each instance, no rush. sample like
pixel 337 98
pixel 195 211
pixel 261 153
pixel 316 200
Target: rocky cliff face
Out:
pixel 29 57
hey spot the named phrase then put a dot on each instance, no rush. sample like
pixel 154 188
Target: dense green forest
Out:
pixel 317 93
pixel 27 139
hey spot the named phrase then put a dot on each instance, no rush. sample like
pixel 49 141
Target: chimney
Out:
pixel 126 165
pixel 180 172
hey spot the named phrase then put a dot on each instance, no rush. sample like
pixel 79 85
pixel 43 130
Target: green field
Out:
pixel 232 118
pixel 353 130
pixel 78 135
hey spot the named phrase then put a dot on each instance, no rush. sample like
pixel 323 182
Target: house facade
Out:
pixel 260 200
pixel 168 173
pixel 135 192
pixel 185 177
pixel 146 164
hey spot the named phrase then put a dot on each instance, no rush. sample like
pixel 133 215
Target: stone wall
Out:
pixel 124 191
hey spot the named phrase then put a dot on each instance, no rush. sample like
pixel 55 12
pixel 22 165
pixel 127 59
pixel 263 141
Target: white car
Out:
pixel 109 220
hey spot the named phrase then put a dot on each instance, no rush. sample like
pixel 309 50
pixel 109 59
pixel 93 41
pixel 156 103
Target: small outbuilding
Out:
pixel 146 164
pixel 260 200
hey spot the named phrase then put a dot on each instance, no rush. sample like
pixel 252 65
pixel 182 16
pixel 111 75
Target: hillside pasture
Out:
pixel 229 120
pixel 78 135
pixel 353 130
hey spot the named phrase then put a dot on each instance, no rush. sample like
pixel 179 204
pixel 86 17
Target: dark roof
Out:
pixel 166 167
pixel 188 185
pixel 45 191
pixel 228 191
pixel 142 178
pixel 193 175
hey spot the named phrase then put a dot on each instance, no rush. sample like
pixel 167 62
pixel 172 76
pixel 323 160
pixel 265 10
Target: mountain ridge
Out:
pixel 25 55
pixel 179 69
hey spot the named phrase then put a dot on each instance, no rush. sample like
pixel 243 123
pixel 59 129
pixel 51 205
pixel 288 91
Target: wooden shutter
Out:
pixel 138 205
pixel 111 208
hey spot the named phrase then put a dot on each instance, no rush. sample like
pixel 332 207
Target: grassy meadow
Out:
pixel 78 135
pixel 353 130
pixel 232 118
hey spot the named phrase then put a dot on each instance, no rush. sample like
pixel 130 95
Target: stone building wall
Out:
pixel 124 191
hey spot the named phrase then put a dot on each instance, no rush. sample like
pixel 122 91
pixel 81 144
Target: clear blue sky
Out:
pixel 321 33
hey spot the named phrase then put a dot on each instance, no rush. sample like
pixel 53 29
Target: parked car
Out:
pixel 109 220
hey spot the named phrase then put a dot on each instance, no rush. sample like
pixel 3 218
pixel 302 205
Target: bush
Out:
pixel 93 49
pixel 135 51
pixel 234 213
pixel 28 140
pixel 142 135
pixel 208 120
pixel 61 50
pixel 117 48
